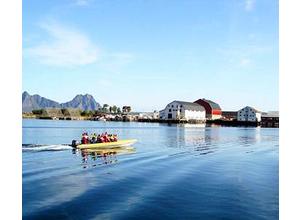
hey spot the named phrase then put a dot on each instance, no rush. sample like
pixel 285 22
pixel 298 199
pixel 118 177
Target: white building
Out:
pixel 249 114
pixel 161 114
pixel 183 110
pixel 147 115
pixel 155 115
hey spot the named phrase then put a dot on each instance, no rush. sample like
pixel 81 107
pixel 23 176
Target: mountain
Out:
pixel 30 102
pixel 83 102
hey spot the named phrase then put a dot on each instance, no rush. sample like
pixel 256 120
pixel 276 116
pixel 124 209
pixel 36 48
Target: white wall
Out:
pixel 248 114
pixel 258 116
pixel 178 112
pixel 194 115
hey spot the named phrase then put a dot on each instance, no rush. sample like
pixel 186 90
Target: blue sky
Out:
pixel 149 53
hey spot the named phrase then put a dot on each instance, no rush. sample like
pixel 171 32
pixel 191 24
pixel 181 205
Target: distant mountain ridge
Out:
pixel 84 102
pixel 33 102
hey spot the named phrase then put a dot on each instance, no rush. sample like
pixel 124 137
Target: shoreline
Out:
pixel 217 122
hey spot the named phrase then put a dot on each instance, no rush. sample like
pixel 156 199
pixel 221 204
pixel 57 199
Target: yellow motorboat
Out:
pixel 109 151
pixel 120 143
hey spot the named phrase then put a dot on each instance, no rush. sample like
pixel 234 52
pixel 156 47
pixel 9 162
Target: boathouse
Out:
pixel 249 114
pixel 270 119
pixel 212 109
pixel 229 115
pixel 180 110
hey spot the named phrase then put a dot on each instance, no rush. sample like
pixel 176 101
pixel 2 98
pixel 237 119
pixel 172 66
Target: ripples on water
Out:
pixel 173 172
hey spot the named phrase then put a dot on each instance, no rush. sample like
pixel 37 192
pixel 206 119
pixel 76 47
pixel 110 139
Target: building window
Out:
pixel 170 110
pixel 180 110
pixel 172 106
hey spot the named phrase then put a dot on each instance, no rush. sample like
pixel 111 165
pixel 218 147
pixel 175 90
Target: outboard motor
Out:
pixel 74 143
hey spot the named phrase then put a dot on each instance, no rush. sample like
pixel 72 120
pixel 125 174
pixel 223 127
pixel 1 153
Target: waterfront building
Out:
pixel 155 115
pixel 146 115
pixel 180 110
pixel 161 114
pixel 142 115
pixel 249 114
pixel 229 115
pixel 212 109
pixel 270 119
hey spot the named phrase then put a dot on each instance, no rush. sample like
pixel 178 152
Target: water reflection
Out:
pixel 192 139
pixel 249 136
pixel 94 157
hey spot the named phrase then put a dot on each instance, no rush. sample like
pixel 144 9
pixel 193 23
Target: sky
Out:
pixel 146 53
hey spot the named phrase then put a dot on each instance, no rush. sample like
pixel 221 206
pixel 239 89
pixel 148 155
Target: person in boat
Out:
pixel 84 139
pixel 93 138
pixel 115 137
pixel 102 138
pixel 109 138
pixel 99 140
pixel 112 139
pixel 87 138
pixel 105 138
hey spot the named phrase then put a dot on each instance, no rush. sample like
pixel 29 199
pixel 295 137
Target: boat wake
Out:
pixel 40 147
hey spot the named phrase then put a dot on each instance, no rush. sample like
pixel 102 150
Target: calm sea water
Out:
pixel 174 172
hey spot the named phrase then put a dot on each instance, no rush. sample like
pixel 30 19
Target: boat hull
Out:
pixel 119 143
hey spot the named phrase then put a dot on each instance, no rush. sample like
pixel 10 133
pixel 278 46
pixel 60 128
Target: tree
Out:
pixel 126 109
pixel 64 111
pixel 114 109
pixel 105 107
pixel 37 111
pixel 87 113
pixel 118 110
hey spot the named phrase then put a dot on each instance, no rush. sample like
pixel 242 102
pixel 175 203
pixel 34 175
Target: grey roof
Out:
pixel 191 106
pixel 271 114
pixel 257 111
pixel 213 104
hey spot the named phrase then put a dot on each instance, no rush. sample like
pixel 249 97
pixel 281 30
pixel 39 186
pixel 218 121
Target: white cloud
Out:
pixel 115 61
pixel 249 5
pixel 65 47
